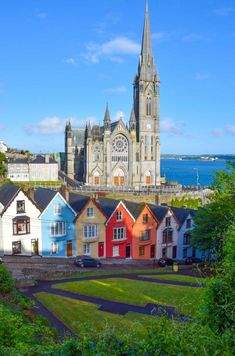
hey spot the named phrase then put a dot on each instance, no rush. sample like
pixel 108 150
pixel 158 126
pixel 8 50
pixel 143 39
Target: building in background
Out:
pixel 3 147
pixel 117 154
pixel 39 168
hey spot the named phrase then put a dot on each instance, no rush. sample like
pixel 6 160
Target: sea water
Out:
pixel 191 172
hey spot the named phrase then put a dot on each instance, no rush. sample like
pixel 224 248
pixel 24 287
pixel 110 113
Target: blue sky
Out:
pixel 64 59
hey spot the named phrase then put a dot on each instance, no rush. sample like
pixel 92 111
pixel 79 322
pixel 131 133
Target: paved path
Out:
pixel 104 305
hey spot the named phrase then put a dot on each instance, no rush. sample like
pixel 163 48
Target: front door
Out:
pixel 174 252
pixel 34 247
pixel 101 249
pixel 152 251
pixel 69 248
pixel 128 251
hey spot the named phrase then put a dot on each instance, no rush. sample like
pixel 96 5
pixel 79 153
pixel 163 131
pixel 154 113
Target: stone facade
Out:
pixel 117 154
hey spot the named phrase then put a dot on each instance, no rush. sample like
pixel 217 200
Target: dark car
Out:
pixel 86 261
pixel 191 260
pixel 162 262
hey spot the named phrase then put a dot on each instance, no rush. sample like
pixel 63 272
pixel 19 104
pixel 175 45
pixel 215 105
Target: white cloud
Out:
pixel 112 50
pixel 230 129
pixel 40 14
pixel 161 36
pixel 167 125
pixel 55 125
pixel 120 90
pixel 202 76
pixel 119 115
pixel 192 37
pixel 71 61
pixel 47 126
pixel 223 11
pixel 217 132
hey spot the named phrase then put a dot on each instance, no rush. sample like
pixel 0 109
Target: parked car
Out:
pixel 86 261
pixel 191 260
pixel 162 262
pixel 0 260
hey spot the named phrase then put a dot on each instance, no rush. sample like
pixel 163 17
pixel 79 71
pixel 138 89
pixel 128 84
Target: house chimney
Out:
pixel 64 191
pixel 30 193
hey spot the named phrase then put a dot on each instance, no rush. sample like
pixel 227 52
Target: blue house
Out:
pixel 57 226
pixel 185 219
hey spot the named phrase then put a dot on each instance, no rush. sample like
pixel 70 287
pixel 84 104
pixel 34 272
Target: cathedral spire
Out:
pixel 107 120
pixel 146 64
pixel 146 39
pixel 132 120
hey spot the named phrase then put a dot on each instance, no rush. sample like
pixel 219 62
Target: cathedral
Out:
pixel 115 154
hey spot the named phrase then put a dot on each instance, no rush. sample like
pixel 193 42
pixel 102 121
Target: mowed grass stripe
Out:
pixel 185 299
pixel 85 319
pixel 176 277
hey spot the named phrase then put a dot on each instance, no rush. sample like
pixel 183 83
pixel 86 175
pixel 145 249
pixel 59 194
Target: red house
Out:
pixel 119 232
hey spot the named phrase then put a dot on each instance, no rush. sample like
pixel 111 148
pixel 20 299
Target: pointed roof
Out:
pixel 77 202
pixel 108 205
pixel 132 117
pixel 43 197
pixel 182 214
pixel 107 115
pixel 7 193
pixel 146 39
pixel 159 211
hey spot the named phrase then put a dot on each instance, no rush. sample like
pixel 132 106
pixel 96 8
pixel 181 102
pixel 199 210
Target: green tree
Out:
pixel 3 159
pixel 213 220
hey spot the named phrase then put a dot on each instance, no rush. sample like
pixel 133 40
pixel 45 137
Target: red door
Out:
pixel 101 249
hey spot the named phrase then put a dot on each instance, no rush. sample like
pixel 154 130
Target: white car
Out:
pixel 0 260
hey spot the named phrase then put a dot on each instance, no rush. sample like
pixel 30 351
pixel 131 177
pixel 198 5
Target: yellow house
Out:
pixel 90 230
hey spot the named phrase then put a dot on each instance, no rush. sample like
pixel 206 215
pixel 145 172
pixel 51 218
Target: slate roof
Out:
pixel 18 160
pixel 182 214
pixel 43 197
pixel 77 202
pixel 134 208
pixel 108 205
pixel 78 136
pixel 7 193
pixel 42 159
pixel 159 211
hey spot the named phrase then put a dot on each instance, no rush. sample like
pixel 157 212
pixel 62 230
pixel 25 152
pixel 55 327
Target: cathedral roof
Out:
pixel 78 136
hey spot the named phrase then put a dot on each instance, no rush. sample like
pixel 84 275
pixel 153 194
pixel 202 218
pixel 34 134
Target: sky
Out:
pixel 65 59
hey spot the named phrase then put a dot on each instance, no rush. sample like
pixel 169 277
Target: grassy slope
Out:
pixel 176 277
pixel 85 318
pixel 139 293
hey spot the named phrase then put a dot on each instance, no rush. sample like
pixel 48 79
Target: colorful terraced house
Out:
pixel 56 221
pixel 90 230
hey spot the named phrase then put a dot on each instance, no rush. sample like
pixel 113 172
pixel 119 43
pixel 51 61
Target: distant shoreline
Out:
pixel 204 157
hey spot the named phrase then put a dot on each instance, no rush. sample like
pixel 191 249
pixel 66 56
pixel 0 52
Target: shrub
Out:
pixel 6 281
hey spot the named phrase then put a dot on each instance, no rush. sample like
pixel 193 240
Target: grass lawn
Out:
pixel 85 318
pixel 177 277
pixel 185 299
pixel 81 273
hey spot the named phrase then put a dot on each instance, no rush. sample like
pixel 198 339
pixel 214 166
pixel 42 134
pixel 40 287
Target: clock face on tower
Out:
pixel 120 144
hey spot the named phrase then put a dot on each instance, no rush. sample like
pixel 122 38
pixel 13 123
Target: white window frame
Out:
pixel 119 233
pixel 87 249
pixel 54 248
pixel 119 215
pixel 116 251
pixel 57 209
pixel 90 212
pixel 90 231
pixel 57 228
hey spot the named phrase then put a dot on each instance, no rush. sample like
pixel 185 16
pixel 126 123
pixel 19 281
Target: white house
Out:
pixel 3 147
pixel 20 228
pixel 167 231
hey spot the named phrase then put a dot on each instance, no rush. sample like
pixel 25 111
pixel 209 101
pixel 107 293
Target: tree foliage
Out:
pixel 3 159
pixel 213 220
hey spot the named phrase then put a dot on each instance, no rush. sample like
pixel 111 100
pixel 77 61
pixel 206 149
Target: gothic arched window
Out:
pixel 148 106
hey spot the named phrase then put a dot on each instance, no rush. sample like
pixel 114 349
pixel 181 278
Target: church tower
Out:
pixel 146 109
pixel 69 160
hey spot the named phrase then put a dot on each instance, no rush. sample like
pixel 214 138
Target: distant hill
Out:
pixel 200 157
